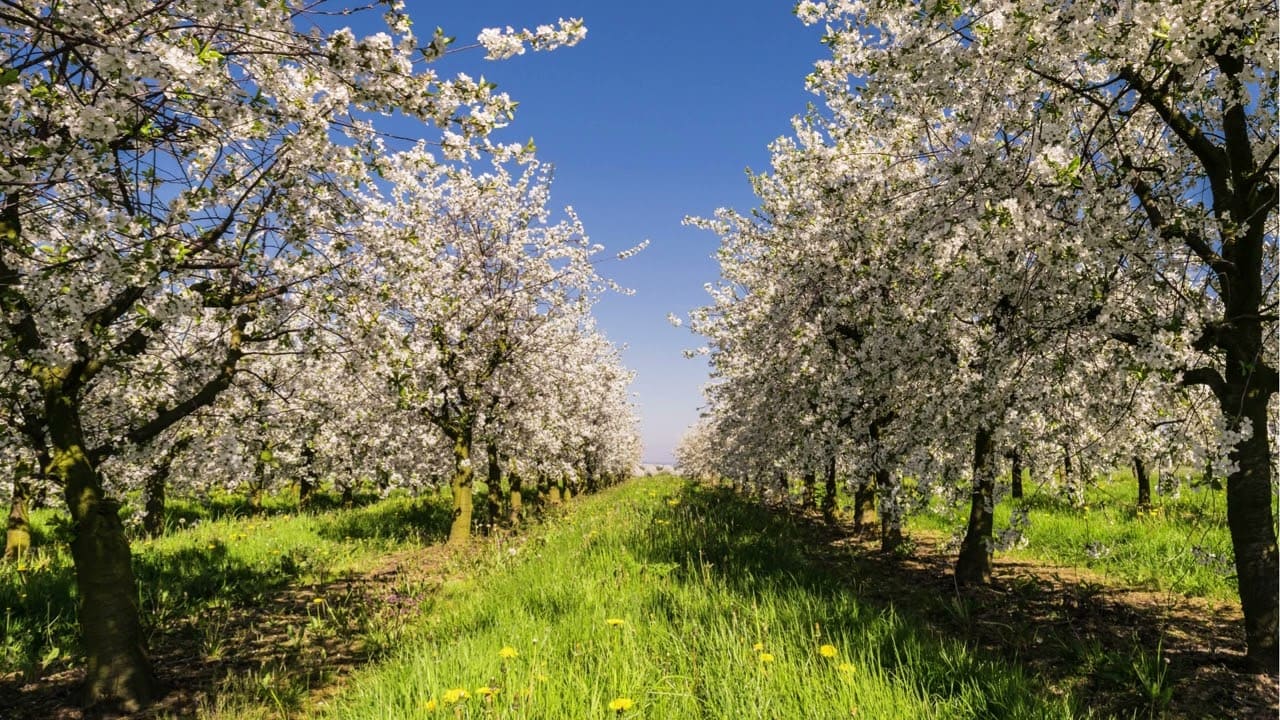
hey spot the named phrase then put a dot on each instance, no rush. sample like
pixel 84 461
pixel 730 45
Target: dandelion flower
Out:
pixel 621 704
pixel 486 691
pixel 846 668
pixel 317 600
pixel 673 501
pixel 430 705
pixel 454 695
pixel 615 622
pixel 827 651
pixel 508 652
pixel 766 657
pixel 758 647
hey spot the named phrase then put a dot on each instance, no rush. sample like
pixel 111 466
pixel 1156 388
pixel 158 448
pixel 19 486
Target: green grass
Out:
pixel 1181 546
pixel 697 577
pixel 719 607
pixel 221 560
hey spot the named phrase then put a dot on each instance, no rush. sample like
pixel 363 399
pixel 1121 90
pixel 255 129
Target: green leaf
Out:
pixel 9 77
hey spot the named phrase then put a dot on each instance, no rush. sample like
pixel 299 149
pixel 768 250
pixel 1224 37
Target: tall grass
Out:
pixel 1180 545
pixel 662 600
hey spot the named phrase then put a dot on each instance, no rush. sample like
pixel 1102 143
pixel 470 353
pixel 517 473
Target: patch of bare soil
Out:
pixel 284 653
pixel 1130 653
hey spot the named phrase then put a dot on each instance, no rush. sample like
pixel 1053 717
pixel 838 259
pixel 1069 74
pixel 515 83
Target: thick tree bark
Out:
pixel 117 669
pixel 1144 483
pixel 1252 527
pixel 17 537
pixel 973 567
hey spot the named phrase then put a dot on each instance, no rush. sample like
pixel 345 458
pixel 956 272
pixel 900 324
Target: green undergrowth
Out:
pixel 659 599
pixel 213 562
pixel 1180 544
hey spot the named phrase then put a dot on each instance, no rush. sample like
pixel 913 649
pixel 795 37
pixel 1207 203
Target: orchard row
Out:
pixel 243 247
pixel 1037 231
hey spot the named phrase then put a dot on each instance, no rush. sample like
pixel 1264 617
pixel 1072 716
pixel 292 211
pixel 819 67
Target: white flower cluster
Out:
pixel 503 43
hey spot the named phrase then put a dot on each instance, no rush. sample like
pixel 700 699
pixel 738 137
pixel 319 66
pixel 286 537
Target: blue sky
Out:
pixel 656 115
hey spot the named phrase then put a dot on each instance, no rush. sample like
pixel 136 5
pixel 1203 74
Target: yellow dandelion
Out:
pixel 827 651
pixel 766 657
pixel 486 691
pixel 673 501
pixel 22 567
pixel 430 705
pixel 846 668
pixel 758 647
pixel 622 704
pixel 508 652
pixel 317 601
pixel 615 622
pixel 455 695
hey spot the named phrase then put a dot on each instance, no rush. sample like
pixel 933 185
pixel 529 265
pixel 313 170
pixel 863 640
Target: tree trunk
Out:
pixel 553 491
pixel 17 537
pixel 808 492
pixel 307 476
pixel 460 529
pixel 829 490
pixel 864 499
pixel 516 506
pixel 974 564
pixel 1144 483
pixel 1015 475
pixel 117 670
pixel 493 478
pixel 1252 525
pixel 153 520
pixel 890 523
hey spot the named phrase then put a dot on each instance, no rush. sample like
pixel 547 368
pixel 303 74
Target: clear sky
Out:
pixel 656 115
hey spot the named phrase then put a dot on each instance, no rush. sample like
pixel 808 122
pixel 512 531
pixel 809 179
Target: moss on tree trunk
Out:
pixel 463 474
pixel 117 671
pixel 17 536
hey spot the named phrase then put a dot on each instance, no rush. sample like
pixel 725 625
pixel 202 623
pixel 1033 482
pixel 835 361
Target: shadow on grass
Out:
pixel 414 520
pixel 223 626
pixel 1032 636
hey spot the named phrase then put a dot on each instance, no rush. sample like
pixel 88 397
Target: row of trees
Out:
pixel 1041 231
pixel 218 269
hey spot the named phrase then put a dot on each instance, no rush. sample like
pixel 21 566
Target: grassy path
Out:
pixel 661 600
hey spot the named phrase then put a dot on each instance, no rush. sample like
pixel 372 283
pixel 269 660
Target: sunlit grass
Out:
pixel 661 600
pixel 1179 545
pixel 222 560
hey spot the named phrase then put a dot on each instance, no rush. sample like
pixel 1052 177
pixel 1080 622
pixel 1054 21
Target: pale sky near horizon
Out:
pixel 656 115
